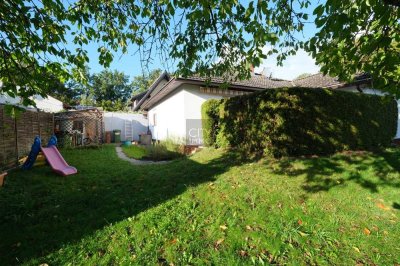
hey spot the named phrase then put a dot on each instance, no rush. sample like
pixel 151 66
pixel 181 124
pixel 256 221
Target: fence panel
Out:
pixel 17 135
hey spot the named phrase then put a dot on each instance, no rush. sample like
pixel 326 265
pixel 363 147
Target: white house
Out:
pixel 173 105
pixel 47 104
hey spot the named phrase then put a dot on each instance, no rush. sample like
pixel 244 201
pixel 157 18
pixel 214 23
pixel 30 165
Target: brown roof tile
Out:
pixel 255 81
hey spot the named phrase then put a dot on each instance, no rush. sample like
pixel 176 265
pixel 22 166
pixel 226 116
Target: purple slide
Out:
pixel 57 162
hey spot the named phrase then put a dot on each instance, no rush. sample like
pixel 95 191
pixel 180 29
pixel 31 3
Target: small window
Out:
pixel 78 125
pixel 154 119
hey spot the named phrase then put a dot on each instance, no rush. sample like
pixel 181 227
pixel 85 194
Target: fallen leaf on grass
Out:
pixel 223 227
pixel 356 249
pixel 243 253
pixel 218 243
pixel 382 206
pixel 173 241
pixel 300 222
pixel 248 228
pixel 367 231
pixel 303 234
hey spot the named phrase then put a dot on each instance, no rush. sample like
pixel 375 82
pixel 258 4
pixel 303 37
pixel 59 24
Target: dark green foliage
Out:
pixel 302 121
pixel 210 116
pixel 142 82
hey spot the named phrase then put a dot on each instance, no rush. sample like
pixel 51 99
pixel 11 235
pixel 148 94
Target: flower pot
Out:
pixel 2 177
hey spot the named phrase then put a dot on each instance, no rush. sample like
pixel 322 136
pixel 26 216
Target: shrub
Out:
pixel 165 150
pixel 210 117
pixel 303 121
pixel 159 152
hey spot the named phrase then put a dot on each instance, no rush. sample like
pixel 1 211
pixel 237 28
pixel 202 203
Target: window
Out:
pixel 78 125
pixel 154 119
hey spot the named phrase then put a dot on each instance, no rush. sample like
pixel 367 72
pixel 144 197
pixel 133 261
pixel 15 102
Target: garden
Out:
pixel 164 151
pixel 213 207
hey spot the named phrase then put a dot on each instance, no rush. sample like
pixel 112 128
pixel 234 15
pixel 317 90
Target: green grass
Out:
pixel 158 152
pixel 210 208
pixel 135 152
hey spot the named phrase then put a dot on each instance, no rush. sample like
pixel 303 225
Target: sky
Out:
pixel 129 63
pixel 292 67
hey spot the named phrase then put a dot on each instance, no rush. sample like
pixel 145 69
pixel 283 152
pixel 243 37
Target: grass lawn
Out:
pixel 210 208
pixel 135 152
pixel 158 152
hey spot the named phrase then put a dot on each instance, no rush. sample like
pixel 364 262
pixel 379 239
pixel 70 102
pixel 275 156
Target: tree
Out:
pixel 111 89
pixel 65 93
pixel 359 36
pixel 211 37
pixel 143 82
pixel 73 92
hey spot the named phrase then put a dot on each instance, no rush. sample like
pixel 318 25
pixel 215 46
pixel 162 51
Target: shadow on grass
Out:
pixel 40 212
pixel 325 173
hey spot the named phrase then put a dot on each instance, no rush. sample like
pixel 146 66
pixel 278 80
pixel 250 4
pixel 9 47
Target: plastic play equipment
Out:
pixel 33 154
pixel 51 154
pixel 35 158
pixel 52 141
pixel 57 162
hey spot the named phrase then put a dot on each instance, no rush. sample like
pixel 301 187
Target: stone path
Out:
pixel 122 156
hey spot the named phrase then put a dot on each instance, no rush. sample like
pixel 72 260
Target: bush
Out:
pixel 303 121
pixel 165 150
pixel 210 116
pixel 159 152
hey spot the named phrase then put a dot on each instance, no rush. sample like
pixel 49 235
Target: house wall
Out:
pixel 117 120
pixel 173 113
pixel 169 117
pixel 377 92
pixel 194 98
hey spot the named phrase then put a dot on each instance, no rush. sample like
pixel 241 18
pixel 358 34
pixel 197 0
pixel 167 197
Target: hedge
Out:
pixel 301 121
pixel 210 116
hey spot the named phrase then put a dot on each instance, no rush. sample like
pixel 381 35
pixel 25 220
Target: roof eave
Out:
pixel 164 75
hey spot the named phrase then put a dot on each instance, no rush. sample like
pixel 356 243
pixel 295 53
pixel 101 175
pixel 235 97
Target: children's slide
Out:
pixel 57 162
pixel 30 161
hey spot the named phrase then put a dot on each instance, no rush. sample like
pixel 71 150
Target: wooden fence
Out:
pixel 17 134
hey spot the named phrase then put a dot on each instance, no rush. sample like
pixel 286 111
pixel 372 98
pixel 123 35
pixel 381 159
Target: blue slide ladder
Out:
pixel 37 144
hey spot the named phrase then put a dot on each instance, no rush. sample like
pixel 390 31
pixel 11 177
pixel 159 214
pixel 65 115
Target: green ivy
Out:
pixel 301 121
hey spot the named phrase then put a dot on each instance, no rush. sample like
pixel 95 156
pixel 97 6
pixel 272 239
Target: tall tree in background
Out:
pixel 353 36
pixel 111 89
pixel 143 82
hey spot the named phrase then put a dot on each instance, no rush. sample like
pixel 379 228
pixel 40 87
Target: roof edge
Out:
pixel 163 75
